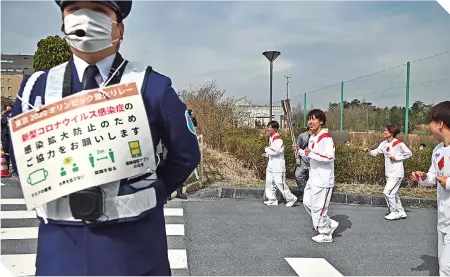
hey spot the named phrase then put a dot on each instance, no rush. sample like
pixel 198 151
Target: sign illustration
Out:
pixel 135 149
pixel 37 176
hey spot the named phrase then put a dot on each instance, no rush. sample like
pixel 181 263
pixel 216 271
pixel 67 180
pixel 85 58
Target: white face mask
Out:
pixel 97 28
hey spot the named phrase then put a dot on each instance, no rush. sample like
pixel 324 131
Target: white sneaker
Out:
pixel 322 238
pixel 271 202
pixel 333 226
pixel 402 215
pixel 292 202
pixel 392 216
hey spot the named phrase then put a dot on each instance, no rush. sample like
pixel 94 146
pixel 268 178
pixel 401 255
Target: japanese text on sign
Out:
pixel 80 146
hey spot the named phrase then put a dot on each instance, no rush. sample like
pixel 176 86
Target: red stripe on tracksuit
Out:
pixel 323 207
pixel 323 156
pixel 398 183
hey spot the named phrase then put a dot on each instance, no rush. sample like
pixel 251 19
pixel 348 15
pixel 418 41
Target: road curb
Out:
pixel 337 197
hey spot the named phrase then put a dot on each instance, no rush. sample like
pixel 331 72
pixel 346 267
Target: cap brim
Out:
pixel 121 7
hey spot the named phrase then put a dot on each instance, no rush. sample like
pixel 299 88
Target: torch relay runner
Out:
pixel 438 175
pixel 318 189
pixel 395 152
pixel 276 168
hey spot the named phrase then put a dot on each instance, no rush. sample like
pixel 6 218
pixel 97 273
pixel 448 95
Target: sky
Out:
pixel 321 44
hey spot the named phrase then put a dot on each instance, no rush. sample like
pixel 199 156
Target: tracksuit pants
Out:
pixel 276 180
pixel 391 194
pixel 316 201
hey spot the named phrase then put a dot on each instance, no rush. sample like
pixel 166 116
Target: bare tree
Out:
pixel 216 115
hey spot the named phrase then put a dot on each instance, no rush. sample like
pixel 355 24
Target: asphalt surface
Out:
pixel 245 237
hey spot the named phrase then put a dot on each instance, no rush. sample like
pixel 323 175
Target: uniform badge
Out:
pixel 189 123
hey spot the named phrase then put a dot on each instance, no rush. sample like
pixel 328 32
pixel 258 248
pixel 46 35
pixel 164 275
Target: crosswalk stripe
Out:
pixel 12 201
pixel 316 267
pixel 32 214
pixel 19 233
pixel 32 232
pixel 20 265
pixel 17 214
pixel 178 259
pixel 175 229
pixel 173 211
pixel 24 264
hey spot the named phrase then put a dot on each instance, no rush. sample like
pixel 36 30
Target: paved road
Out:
pixel 19 233
pixel 245 237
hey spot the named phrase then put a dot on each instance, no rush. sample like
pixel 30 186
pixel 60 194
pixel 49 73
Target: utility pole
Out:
pixel 287 85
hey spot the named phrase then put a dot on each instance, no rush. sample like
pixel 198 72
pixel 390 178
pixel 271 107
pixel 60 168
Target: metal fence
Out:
pixel 373 100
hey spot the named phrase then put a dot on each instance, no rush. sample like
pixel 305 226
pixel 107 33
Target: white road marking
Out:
pixel 20 265
pixel 175 229
pixel 12 201
pixel 178 259
pixel 21 201
pixel 19 233
pixel 24 264
pixel 17 214
pixel 173 211
pixel 316 267
pixel 32 232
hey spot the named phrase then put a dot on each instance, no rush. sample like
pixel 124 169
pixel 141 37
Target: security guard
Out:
pixel 77 237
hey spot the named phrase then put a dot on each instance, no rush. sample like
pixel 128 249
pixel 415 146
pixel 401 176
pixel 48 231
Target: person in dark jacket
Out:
pixel 124 235
pixel 302 170
pixel 180 193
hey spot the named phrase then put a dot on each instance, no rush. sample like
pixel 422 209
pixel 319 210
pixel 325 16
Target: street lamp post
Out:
pixel 271 56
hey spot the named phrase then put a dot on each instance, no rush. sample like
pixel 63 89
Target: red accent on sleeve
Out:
pixel 441 163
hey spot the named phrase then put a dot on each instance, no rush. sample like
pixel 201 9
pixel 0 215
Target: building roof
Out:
pixel 243 101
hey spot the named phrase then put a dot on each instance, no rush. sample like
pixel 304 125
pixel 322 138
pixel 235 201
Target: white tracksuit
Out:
pixel 276 170
pixel 318 189
pixel 394 170
pixel 440 166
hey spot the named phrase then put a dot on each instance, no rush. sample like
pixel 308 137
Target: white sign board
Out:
pixel 82 141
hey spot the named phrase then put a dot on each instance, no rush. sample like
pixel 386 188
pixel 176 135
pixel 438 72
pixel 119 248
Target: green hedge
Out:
pixel 352 165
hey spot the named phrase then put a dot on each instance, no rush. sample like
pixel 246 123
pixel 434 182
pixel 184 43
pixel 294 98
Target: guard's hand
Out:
pixel 443 181
pixel 265 155
pixel 307 151
pixel 418 176
pixel 393 158
pixel 366 149
pixel 297 161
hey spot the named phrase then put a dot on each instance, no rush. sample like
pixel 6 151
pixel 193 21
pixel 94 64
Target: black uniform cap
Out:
pixel 122 8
